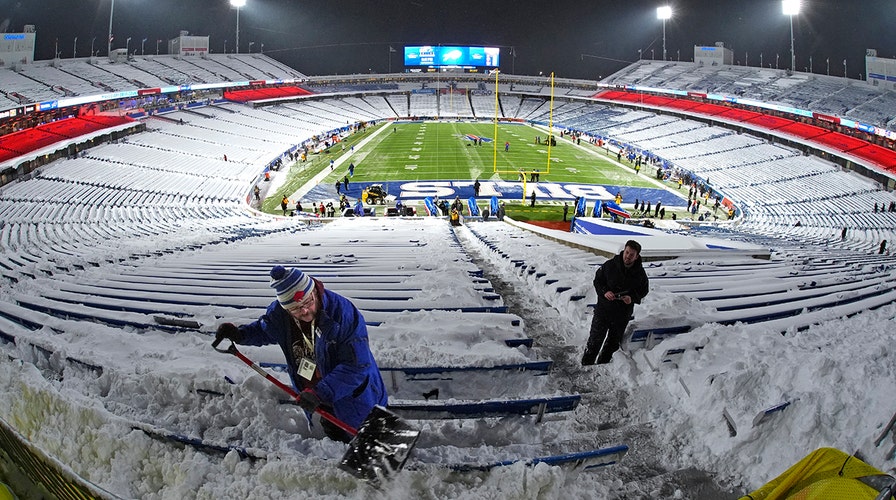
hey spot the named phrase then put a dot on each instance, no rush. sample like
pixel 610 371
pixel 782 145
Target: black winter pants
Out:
pixel 605 336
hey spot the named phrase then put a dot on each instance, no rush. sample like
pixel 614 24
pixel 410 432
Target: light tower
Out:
pixel 238 4
pixel 663 13
pixel 111 11
pixel 791 8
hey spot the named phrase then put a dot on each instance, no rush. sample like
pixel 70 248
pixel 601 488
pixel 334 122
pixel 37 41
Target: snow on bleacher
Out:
pixel 424 105
pixel 100 79
pixel 226 136
pixel 171 161
pixel 246 121
pixel 810 91
pixel 454 104
pixel 60 79
pixel 238 66
pixel 196 144
pixel 364 110
pixel 562 111
pixel 399 102
pixel 654 128
pixel 138 77
pixel 530 106
pixel 484 106
pixel 21 89
pixel 762 179
pixel 381 107
pixel 334 110
pixel 165 72
pixel 272 66
pixel 186 66
pixel 309 118
pixel 879 110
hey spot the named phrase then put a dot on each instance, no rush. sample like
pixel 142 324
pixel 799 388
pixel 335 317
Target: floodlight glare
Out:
pixel 790 7
pixel 238 3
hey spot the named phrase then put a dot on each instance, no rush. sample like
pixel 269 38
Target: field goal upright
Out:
pixel 549 141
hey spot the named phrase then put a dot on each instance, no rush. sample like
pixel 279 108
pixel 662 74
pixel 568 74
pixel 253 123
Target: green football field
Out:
pixel 422 151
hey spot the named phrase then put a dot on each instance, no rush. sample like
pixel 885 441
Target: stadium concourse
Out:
pixel 119 258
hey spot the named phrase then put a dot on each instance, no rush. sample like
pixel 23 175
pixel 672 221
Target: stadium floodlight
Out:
pixel 238 4
pixel 791 8
pixel 663 13
pixel 109 48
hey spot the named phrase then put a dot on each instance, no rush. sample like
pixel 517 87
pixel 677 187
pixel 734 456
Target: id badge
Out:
pixel 306 368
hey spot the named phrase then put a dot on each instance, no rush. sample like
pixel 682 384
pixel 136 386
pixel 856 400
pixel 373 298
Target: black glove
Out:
pixel 230 332
pixel 308 400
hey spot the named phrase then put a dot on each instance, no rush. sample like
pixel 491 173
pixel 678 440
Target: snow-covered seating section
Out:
pixel 100 77
pixel 50 80
pixel 709 154
pixel 258 123
pixel 236 137
pixel 308 118
pixel 813 92
pixel 136 77
pixel 605 121
pixel 455 104
pixel 239 67
pixel 188 66
pixel 762 179
pixel 598 118
pixel 275 69
pixel 68 219
pixel 165 72
pixel 399 103
pixel 379 106
pixel 20 89
pixel 484 106
pixel 879 110
pixel 666 73
pixel 386 269
pixel 423 105
pixel 796 288
pixel 846 100
pixel 182 140
pixel 64 81
pixel 562 111
pixel 664 131
pixel 335 111
pixel 529 107
pixel 366 109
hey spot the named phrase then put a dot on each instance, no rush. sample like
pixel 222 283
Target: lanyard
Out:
pixel 309 339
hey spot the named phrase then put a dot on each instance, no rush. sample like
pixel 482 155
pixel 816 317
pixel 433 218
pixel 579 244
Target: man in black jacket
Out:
pixel 620 284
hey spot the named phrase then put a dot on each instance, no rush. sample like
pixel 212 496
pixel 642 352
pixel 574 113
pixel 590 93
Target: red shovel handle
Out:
pixel 289 390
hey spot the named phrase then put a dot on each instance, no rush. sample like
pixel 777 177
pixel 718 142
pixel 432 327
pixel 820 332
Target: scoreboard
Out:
pixel 433 56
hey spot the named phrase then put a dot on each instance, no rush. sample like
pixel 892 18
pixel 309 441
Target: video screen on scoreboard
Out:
pixel 432 56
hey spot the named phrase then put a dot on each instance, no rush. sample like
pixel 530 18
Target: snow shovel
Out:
pixel 379 448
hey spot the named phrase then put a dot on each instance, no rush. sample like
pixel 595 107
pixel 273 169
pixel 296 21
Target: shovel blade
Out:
pixel 381 447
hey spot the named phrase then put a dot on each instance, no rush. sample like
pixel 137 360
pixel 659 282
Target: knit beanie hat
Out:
pixel 290 284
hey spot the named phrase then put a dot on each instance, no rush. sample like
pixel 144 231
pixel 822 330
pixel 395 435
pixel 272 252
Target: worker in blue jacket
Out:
pixel 324 338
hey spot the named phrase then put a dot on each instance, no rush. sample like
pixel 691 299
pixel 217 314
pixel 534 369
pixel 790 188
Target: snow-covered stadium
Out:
pixel 126 236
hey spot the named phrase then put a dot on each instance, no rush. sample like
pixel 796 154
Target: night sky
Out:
pixel 337 37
